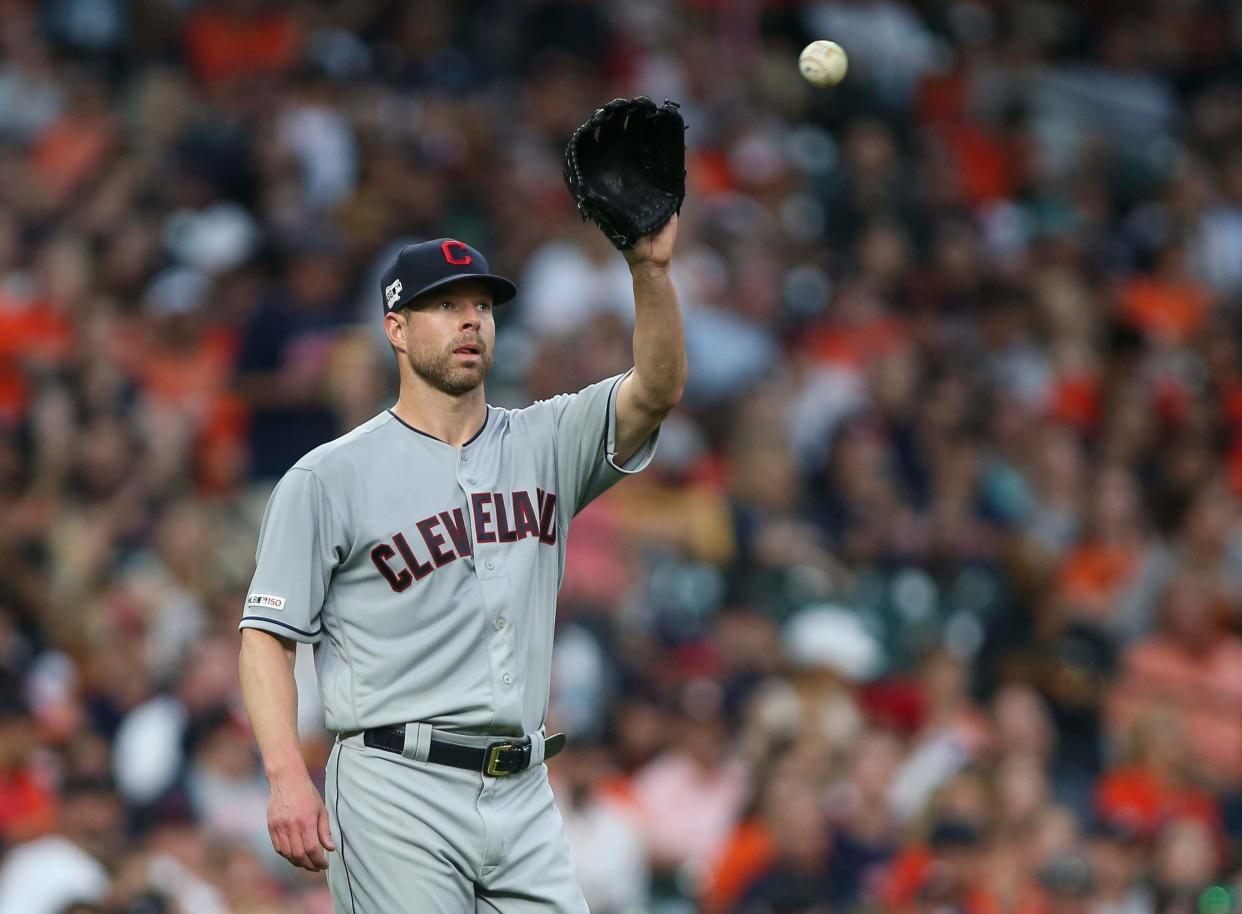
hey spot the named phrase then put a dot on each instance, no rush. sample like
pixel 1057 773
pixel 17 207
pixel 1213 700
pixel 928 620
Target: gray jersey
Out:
pixel 426 575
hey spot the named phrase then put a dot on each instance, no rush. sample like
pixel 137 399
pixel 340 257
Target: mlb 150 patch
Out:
pixel 265 600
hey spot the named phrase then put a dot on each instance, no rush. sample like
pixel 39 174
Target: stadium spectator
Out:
pixel 933 596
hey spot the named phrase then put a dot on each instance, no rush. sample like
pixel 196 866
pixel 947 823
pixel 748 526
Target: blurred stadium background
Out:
pixel 933 600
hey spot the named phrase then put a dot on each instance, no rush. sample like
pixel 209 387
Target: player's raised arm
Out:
pixel 654 387
pixel 625 168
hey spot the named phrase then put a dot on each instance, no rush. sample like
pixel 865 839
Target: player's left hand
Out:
pixel 654 250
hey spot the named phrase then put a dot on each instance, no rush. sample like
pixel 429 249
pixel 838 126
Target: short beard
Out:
pixel 438 370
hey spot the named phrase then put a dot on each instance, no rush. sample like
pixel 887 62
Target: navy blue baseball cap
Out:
pixel 429 265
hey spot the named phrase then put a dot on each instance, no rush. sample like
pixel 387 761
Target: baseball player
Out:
pixel 421 554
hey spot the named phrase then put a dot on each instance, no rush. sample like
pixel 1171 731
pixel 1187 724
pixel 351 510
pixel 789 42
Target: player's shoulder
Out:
pixel 551 406
pixel 521 418
pixel 347 451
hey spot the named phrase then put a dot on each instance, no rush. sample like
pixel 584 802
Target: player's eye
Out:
pixel 447 305
pixel 484 306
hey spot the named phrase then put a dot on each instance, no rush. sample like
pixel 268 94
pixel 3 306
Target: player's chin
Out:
pixel 461 379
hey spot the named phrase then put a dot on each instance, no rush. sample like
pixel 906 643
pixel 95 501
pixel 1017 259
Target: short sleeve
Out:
pixel 586 442
pixel 301 541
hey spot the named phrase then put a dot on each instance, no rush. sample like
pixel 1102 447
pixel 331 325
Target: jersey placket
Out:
pixel 494 585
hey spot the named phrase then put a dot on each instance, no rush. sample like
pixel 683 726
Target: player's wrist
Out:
pixel 286 770
pixel 649 269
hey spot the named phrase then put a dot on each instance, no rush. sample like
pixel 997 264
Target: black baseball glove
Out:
pixel 626 168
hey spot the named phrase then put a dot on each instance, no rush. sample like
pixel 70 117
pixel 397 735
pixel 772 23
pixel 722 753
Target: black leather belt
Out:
pixel 499 759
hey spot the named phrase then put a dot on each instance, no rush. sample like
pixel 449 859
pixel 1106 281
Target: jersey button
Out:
pixel 490 565
pixel 465 457
pixel 508 680
pixel 500 623
pixel 471 480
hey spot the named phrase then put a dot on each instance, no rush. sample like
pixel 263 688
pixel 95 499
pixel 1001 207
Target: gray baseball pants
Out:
pixel 415 837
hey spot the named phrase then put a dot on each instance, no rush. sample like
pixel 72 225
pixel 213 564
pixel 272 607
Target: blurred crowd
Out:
pixel 932 600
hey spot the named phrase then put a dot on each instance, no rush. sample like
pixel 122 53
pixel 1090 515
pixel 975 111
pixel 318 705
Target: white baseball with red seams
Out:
pixel 823 63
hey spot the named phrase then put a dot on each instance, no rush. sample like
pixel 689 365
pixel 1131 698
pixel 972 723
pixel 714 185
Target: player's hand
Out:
pixel 654 250
pixel 297 821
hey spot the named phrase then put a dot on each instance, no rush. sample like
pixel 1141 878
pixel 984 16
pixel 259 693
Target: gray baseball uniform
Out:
pixel 426 575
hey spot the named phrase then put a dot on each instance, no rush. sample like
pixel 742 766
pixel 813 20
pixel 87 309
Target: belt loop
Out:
pixel 417 741
pixel 536 748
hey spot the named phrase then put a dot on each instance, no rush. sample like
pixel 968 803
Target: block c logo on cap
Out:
pixel 450 249
pixel 392 292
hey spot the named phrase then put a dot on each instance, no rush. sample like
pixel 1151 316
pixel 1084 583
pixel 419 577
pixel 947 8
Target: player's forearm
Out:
pixel 659 340
pixel 271 698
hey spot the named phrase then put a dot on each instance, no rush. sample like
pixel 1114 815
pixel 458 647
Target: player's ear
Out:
pixel 396 327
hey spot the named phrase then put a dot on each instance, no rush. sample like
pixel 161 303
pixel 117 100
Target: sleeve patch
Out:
pixel 265 601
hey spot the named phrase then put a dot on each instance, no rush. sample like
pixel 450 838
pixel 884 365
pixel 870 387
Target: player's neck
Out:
pixel 454 420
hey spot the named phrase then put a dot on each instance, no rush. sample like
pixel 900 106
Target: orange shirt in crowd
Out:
pixel 223 46
pixel 747 854
pixel 1145 801
pixel 858 344
pixel 69 151
pixel 909 874
pixel 1204 691
pixel 986 168
pixel 194 381
pixel 709 172
pixel 1094 573
pixel 1075 399
pixel 30 331
pixel 1165 311
pixel 184 378
pixel 27 807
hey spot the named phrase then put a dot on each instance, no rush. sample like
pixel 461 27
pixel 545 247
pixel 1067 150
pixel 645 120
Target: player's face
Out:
pixel 451 338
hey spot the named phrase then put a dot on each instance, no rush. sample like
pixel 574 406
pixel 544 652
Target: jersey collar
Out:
pixel 486 415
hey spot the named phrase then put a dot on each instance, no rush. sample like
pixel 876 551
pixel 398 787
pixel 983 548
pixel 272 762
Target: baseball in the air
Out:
pixel 823 63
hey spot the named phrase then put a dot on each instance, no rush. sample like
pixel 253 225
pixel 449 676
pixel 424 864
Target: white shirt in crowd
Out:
pixel 46 875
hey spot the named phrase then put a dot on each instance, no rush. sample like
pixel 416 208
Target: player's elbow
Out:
pixel 673 399
pixel 661 395
pixel 677 383
pixel 661 402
